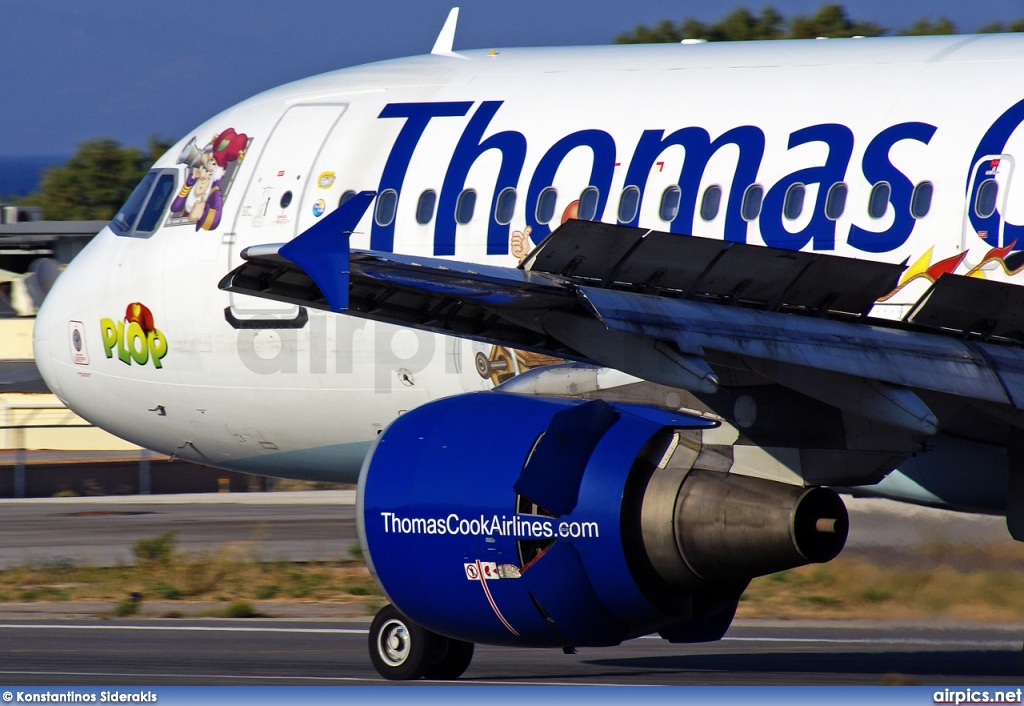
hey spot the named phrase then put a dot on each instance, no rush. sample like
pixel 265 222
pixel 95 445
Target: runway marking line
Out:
pixel 461 682
pixel 1001 644
pixel 869 641
pixel 184 628
pixel 865 641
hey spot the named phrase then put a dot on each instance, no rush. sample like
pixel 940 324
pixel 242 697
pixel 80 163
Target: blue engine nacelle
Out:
pixel 505 519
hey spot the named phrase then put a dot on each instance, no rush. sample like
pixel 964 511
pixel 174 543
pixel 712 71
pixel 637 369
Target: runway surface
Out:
pixel 304 526
pixel 264 652
pixel 49 644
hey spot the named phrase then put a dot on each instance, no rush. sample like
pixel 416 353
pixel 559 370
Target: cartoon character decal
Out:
pixel 521 245
pixel 138 313
pixel 210 173
pixel 502 364
pixel 136 337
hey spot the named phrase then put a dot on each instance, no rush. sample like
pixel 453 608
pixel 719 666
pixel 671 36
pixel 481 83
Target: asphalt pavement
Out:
pixel 304 652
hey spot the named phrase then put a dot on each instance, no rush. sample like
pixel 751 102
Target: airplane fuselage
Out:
pixel 898 150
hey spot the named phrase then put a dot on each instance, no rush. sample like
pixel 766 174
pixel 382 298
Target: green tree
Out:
pixel 832 21
pixel 96 181
pixel 996 27
pixel 829 21
pixel 924 26
pixel 739 25
pixel 662 33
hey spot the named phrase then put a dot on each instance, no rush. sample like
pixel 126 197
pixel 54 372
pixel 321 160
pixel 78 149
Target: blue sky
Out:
pixel 125 69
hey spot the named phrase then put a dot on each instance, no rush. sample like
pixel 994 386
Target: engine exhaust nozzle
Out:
pixel 726 528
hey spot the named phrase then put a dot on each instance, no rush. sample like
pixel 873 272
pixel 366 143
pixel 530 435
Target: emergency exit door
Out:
pixel 270 208
pixel 984 212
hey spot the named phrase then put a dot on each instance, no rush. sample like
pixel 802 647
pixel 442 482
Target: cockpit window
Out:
pixel 125 219
pixel 158 201
pixel 141 214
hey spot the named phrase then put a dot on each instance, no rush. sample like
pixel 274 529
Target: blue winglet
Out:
pixel 322 251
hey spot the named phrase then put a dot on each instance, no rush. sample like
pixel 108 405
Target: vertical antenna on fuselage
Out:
pixel 446 39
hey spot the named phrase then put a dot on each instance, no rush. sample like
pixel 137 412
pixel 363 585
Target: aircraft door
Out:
pixel 984 212
pixel 270 207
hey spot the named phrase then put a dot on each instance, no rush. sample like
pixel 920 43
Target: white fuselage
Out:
pixel 238 388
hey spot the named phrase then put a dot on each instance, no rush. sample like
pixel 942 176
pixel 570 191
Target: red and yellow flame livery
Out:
pixel 924 269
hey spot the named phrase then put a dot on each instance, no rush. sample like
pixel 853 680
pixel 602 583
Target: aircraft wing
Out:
pixel 672 309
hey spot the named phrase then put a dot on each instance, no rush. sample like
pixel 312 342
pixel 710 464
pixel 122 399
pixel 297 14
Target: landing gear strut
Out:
pixel 402 650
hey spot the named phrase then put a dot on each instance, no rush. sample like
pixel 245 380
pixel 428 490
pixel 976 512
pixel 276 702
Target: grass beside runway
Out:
pixel 230 576
pixel 959 582
pixel 969 582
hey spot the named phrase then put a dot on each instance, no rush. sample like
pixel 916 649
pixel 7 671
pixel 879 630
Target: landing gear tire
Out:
pixel 399 648
pixel 455 660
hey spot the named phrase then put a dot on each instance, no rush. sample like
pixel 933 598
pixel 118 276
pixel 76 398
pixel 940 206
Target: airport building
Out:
pixel 45 448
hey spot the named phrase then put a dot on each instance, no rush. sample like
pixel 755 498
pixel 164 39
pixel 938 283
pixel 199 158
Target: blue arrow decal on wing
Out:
pixel 323 250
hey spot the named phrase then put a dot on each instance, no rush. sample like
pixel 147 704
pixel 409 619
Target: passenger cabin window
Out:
pixel 710 203
pixel 505 206
pixel 921 199
pixel 346 196
pixel 286 199
pixel 588 203
pixel 629 200
pixel 835 201
pixel 387 204
pixel 751 207
pixel 669 208
pixel 425 207
pixel 465 206
pixel 985 202
pixel 878 200
pixel 793 205
pixel 546 205
pixel 141 213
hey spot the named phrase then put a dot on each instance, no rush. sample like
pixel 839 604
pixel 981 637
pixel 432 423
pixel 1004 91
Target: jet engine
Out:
pixel 546 522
